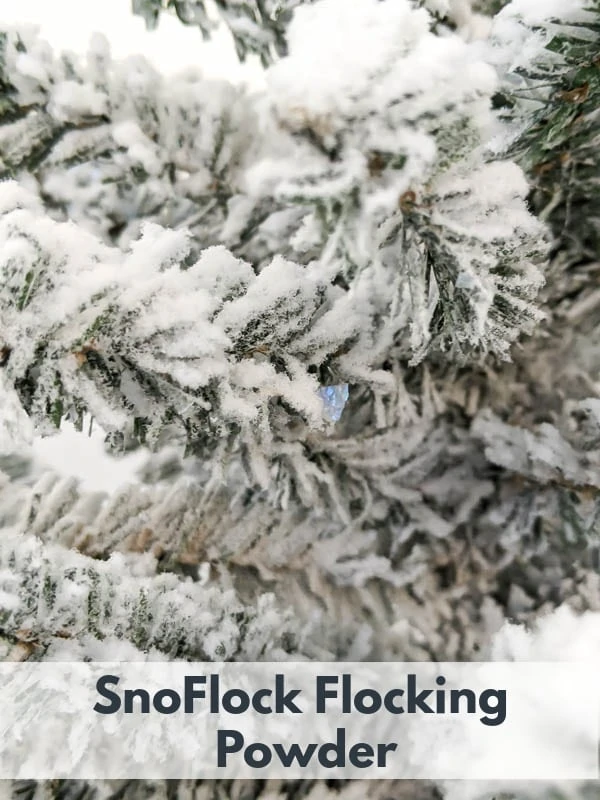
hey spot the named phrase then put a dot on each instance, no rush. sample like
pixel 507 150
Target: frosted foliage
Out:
pixel 384 136
pixel 410 485
pixel 260 26
pixel 348 597
pixel 552 92
pixel 561 470
pixel 389 115
pixel 523 28
pixel 239 789
pixel 113 143
pixel 96 320
pixel 329 75
pixel 520 46
pixel 50 593
pixel 545 455
pixel 94 328
pixel 257 26
pixel 329 311
pixel 358 172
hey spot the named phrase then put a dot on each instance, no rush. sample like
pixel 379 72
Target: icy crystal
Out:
pixel 334 400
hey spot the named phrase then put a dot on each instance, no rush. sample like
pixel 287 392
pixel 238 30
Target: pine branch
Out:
pixel 51 595
pixel 554 96
pixel 154 348
pixel 391 485
pixel 110 144
pixel 442 529
pixel 441 268
pixel 558 495
pixel 257 26
pixel 221 789
pixel 143 344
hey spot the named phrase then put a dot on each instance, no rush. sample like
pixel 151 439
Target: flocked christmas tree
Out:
pixel 355 317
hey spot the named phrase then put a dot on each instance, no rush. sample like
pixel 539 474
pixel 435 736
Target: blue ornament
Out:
pixel 334 400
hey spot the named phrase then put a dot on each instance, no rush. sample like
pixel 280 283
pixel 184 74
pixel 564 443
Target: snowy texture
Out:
pixel 145 345
pixel 368 370
pixel 93 320
pixel 385 136
pixel 352 185
pixel 548 54
pixel 522 31
pixel 50 594
pixel 557 637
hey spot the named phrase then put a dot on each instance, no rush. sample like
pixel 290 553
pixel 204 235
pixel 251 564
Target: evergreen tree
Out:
pixel 355 318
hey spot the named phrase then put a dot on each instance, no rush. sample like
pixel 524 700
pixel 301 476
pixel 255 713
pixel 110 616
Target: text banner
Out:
pixel 478 721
